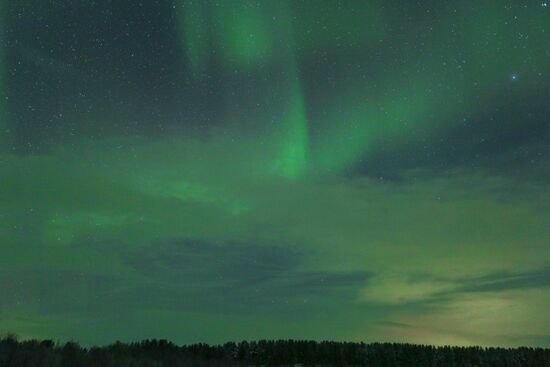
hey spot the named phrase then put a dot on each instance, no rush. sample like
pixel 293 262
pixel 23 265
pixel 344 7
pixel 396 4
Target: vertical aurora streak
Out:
pixel 292 159
pixel 241 34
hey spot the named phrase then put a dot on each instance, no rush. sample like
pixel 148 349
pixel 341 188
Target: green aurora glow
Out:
pixel 204 171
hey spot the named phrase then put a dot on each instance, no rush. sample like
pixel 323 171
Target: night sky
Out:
pixel 205 171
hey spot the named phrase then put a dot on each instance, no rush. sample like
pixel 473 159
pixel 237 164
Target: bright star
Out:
pixel 514 77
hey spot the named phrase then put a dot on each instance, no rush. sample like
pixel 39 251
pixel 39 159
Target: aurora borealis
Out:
pixel 205 171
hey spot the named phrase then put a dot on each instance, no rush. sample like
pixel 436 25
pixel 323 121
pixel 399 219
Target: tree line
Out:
pixel 162 353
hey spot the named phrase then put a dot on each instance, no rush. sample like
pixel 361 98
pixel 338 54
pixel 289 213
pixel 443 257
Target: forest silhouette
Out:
pixel 162 353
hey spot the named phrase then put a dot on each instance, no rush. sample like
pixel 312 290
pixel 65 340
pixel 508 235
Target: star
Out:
pixel 514 77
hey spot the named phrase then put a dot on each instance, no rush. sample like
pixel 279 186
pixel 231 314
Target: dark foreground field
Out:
pixel 161 353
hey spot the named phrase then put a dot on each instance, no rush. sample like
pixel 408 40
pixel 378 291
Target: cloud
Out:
pixel 404 288
pixel 508 318
pixel 394 289
pixel 506 309
pixel 505 281
pixel 234 276
pixel 191 261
